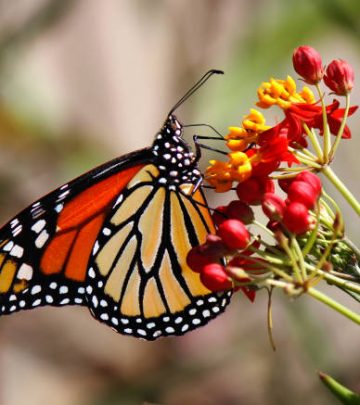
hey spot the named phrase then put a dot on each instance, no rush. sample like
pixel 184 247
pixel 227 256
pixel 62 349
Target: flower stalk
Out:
pixel 345 192
pixel 341 309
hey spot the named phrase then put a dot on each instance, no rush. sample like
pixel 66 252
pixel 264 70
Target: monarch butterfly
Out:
pixel 115 240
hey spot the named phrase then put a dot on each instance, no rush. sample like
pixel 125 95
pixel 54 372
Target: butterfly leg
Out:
pixel 219 136
pixel 199 145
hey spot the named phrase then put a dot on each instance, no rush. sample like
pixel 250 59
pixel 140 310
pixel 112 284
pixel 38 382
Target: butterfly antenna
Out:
pixel 195 87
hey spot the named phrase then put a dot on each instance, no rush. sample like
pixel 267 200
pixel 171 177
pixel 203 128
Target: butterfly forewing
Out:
pixel 44 251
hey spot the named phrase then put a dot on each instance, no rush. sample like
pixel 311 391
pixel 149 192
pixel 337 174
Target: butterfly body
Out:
pixel 115 240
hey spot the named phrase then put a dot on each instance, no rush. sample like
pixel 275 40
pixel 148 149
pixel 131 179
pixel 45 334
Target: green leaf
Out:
pixel 343 394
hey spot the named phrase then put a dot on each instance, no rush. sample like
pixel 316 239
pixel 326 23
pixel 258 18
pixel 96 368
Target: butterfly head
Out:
pixel 175 160
pixel 170 135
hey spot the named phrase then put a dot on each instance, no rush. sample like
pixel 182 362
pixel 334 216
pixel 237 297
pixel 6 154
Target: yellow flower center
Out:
pixel 282 93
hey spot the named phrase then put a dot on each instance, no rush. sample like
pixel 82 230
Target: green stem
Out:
pixel 341 129
pixel 335 280
pixel 326 135
pixel 263 227
pixel 281 274
pixel 299 255
pixel 334 305
pixel 315 143
pixel 306 161
pixel 294 263
pixel 327 207
pixel 313 236
pixel 349 197
pixel 309 154
pixel 352 246
pixel 270 320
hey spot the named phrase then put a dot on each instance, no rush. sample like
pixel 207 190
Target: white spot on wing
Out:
pixel 36 289
pixel 96 247
pixel 106 231
pixel 59 207
pixel 49 299
pixel 17 230
pixel 17 251
pixel 8 246
pixel 63 289
pixel 91 273
pixel 39 225
pixel 119 200
pixel 41 239
pixel 64 301
pixel 25 272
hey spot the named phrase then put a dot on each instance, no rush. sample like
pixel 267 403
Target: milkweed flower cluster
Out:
pixel 278 168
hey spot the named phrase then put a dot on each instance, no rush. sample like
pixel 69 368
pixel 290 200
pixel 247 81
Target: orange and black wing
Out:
pixel 116 240
pixel 44 251
pixel 139 282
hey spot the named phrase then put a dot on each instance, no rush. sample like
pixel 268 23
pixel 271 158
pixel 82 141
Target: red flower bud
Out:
pixel 296 218
pixel 214 277
pixel 214 247
pixel 312 179
pixel 285 183
pixel 273 206
pixel 234 234
pixel 274 226
pixel 197 259
pixel 339 77
pixel 302 192
pixel 219 215
pixel 308 64
pixel 252 190
pixel 241 211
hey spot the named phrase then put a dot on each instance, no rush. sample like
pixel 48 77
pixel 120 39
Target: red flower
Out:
pixel 308 64
pixel 273 206
pixel 339 77
pixel 304 193
pixel 311 114
pixel 334 116
pixel 311 179
pixel 234 234
pixel 274 145
pixel 251 191
pixel 241 211
pixel 197 259
pixel 214 277
pixel 219 215
pixel 209 252
pixel 296 218
pixel 250 265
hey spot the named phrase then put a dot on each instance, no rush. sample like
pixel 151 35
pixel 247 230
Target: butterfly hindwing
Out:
pixel 140 282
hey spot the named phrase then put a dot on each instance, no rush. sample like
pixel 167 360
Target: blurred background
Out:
pixel 83 81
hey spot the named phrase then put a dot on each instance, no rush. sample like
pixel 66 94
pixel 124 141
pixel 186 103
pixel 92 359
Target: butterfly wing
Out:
pixel 44 251
pixel 139 282
pixel 116 240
